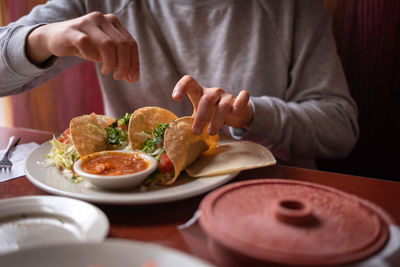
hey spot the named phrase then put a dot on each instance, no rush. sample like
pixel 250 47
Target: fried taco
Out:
pixel 143 121
pixel 169 139
pixel 95 133
pixel 87 134
pixel 183 147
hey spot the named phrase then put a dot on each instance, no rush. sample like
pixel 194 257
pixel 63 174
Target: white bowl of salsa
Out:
pixel 115 169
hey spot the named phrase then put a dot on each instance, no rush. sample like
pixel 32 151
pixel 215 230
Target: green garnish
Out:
pixel 154 144
pixel 126 118
pixel 115 134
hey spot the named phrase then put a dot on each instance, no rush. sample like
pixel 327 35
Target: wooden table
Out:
pixel 158 223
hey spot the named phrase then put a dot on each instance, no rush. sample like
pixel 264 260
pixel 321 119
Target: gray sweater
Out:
pixel 282 52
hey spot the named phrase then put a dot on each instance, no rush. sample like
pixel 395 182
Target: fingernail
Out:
pixel 176 93
pixel 135 76
pixel 129 78
pixel 235 109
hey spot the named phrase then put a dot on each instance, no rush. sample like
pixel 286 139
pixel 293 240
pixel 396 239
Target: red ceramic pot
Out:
pixel 278 222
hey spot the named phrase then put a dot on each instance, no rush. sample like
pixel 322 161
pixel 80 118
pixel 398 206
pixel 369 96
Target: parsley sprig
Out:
pixel 155 144
pixel 117 135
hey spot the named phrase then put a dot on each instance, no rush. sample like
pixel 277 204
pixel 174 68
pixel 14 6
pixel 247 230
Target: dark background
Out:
pixel 367 33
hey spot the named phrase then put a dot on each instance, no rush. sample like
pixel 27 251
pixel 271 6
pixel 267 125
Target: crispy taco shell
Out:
pixel 231 157
pixel 144 120
pixel 88 133
pixel 183 147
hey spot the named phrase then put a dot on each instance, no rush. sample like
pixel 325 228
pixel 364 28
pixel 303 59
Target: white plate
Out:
pixel 38 220
pixel 110 253
pixel 51 180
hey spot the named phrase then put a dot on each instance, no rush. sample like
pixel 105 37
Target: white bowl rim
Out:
pixel 152 162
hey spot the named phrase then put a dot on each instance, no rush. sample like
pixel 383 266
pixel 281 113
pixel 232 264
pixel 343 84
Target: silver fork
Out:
pixel 5 163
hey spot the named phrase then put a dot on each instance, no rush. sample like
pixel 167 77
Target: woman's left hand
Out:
pixel 214 106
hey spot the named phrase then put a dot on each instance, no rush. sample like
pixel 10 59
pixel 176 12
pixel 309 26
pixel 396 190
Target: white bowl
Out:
pixel 125 181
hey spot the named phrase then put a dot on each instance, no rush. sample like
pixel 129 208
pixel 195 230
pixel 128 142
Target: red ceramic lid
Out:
pixel 293 222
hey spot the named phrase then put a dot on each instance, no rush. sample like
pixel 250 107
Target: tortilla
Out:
pixel 144 120
pixel 231 157
pixel 88 133
pixel 183 147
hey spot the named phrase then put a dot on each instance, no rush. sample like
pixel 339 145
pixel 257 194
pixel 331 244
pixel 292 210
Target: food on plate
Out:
pixel 183 147
pixel 156 132
pixel 231 157
pixel 114 163
pixel 117 133
pixel 143 121
pixel 63 154
pixel 87 134
pixel 169 139
pixel 116 169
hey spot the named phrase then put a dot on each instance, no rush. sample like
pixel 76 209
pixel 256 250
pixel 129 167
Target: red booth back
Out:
pixel 368 39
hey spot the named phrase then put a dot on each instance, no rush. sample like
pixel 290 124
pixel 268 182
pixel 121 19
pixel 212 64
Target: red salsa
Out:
pixel 114 163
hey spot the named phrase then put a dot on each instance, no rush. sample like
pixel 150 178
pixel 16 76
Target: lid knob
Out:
pixel 294 211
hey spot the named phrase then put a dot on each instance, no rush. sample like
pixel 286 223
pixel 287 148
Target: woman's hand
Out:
pixel 214 106
pixel 95 37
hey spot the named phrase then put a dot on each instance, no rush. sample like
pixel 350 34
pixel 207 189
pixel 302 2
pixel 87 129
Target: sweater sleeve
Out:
pixel 17 73
pixel 317 117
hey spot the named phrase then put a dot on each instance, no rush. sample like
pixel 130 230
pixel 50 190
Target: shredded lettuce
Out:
pixel 63 156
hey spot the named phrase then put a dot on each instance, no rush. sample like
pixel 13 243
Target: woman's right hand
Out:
pixel 94 37
pixel 214 106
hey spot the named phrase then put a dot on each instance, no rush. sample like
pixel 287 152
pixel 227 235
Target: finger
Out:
pixel 133 71
pixel 104 45
pixel 184 85
pixel 188 85
pixel 80 46
pixel 121 46
pixel 207 107
pixel 224 108
pixel 240 102
pixel 127 50
pixel 93 25
pixel 242 111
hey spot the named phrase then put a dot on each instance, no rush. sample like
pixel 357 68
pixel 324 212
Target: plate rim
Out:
pixel 49 205
pixel 123 199
pixel 116 242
